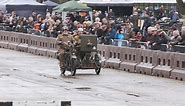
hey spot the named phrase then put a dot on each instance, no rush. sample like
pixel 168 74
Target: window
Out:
pixel 114 55
pixel 125 56
pixel 118 55
pixel 141 58
pixel 159 61
pixel 146 59
pixel 134 57
pixel 183 64
pixel 110 55
pixel 103 53
pixel 177 63
pixel 168 62
pixel 164 62
pixel 151 60
pixel 130 57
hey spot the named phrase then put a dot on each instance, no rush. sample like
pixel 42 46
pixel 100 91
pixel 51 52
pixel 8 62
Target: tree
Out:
pixel 181 6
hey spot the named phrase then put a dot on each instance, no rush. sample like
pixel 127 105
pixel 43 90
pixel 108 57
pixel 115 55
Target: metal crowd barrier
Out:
pixel 134 44
pixel 144 45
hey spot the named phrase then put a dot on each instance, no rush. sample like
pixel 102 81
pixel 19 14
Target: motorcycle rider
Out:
pixel 63 41
pixel 77 42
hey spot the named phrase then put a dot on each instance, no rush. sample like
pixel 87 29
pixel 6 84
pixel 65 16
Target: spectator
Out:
pixel 175 17
pixel 138 36
pixel 128 30
pixel 134 20
pixel 111 34
pixel 1 16
pixel 120 36
pixel 111 14
pixel 101 33
pixel 175 38
pixel 182 42
pixel 156 38
pixel 34 15
pixel 147 23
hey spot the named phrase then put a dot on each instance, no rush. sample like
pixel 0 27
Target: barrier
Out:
pixel 129 59
pixel 24 40
pixel 117 42
pixel 14 40
pixel 158 63
pixel 4 39
pixel 114 54
pixel 6 103
pixel 33 44
pixel 164 64
pixel 103 50
pixel 147 61
pixel 43 46
pixel 179 67
pixel 134 44
pixel 1 26
pixel 52 49
pixel 163 47
pixel 179 48
pixel 36 103
pixel 65 103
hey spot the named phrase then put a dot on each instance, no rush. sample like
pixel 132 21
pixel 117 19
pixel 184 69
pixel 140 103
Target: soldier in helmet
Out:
pixel 63 41
pixel 77 41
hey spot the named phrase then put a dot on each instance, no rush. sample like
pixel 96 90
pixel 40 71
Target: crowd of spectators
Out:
pixel 154 27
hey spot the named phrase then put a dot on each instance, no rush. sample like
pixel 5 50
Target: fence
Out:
pixel 144 45
pixel 145 61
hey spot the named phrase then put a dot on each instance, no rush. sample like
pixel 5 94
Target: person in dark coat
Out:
pixel 156 38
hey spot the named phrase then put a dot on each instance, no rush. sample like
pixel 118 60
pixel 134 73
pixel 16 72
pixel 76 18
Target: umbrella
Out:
pixel 50 3
pixel 72 6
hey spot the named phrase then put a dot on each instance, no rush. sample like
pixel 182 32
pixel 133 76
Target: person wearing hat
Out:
pixel 77 41
pixel 63 41
pixel 175 38
pixel 156 38
pixel 76 37
pixel 182 42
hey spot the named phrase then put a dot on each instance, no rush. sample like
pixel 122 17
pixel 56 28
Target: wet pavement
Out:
pixel 26 78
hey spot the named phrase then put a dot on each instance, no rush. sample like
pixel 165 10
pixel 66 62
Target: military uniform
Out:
pixel 63 43
pixel 77 39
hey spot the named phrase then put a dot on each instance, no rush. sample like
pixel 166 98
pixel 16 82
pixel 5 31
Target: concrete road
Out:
pixel 26 77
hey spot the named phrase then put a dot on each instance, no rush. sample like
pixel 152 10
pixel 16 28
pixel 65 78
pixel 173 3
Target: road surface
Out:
pixel 25 77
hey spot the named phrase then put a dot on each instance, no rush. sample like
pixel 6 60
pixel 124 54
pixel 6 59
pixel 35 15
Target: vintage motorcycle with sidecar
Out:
pixel 84 57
